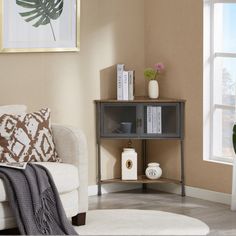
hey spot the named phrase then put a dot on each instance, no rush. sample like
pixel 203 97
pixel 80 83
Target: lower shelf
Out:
pixel 142 179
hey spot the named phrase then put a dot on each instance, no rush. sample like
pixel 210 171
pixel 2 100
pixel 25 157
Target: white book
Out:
pixel 131 84
pixel 120 69
pixel 149 119
pixel 154 120
pixel 159 120
pixel 125 85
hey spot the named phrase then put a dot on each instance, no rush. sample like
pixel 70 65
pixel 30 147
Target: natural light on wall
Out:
pixel 219 79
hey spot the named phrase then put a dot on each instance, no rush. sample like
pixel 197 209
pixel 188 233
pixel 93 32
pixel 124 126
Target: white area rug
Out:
pixel 140 222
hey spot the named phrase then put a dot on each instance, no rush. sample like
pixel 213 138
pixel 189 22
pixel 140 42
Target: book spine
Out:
pixel 154 120
pixel 149 119
pixel 131 85
pixel 159 120
pixel 125 85
pixel 120 69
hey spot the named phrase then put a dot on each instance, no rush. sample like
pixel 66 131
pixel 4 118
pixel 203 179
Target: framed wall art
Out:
pixel 39 25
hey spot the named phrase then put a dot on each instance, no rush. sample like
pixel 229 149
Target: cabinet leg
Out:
pixel 144 156
pixel 99 169
pixel 182 169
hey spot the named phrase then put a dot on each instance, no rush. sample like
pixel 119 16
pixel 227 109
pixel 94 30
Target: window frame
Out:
pixel 209 106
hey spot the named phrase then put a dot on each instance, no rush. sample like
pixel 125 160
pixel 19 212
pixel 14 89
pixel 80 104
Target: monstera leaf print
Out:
pixel 41 12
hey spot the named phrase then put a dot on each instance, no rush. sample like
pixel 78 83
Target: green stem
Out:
pixel 155 76
pixel 53 32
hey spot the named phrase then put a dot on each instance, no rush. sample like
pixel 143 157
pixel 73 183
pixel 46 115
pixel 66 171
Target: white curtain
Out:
pixel 233 200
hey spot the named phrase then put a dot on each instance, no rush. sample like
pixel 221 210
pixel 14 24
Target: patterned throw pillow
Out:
pixel 7 126
pixel 27 138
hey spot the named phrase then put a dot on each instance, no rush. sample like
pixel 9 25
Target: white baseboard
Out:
pixel 204 194
pixel 111 188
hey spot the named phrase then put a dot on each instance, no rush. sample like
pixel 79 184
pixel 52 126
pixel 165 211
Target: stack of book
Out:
pixel 125 83
pixel 154 124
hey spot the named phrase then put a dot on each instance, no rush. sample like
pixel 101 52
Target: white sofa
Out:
pixel 70 176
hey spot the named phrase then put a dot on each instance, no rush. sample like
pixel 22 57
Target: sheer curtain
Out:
pixel 233 200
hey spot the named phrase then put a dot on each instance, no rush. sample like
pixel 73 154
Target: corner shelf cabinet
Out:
pixel 111 114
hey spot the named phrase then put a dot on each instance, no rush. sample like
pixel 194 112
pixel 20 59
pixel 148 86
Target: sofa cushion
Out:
pixel 31 139
pixel 13 109
pixel 65 176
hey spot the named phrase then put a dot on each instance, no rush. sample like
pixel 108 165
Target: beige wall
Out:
pixel 174 35
pixel 112 31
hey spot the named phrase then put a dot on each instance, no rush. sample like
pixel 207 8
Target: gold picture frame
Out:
pixel 12 40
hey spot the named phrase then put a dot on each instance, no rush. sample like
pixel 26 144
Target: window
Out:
pixel 219 78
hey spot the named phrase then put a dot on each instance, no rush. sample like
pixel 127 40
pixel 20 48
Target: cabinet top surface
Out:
pixel 142 100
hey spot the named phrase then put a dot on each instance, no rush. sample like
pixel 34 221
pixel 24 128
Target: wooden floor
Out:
pixel 218 217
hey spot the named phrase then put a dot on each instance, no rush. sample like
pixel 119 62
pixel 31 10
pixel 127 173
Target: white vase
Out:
pixel 129 164
pixel 153 171
pixel 153 89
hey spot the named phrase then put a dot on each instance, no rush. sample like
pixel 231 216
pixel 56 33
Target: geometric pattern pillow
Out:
pixel 7 127
pixel 27 138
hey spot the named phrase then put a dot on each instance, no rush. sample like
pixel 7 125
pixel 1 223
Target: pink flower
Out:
pixel 159 67
pixel 154 73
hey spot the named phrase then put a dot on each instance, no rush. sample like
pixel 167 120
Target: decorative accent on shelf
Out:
pixel 125 83
pixel 153 89
pixel 152 75
pixel 153 171
pixel 129 164
pixel 130 144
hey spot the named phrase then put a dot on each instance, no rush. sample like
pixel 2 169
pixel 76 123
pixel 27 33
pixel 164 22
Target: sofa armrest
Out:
pixel 71 147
